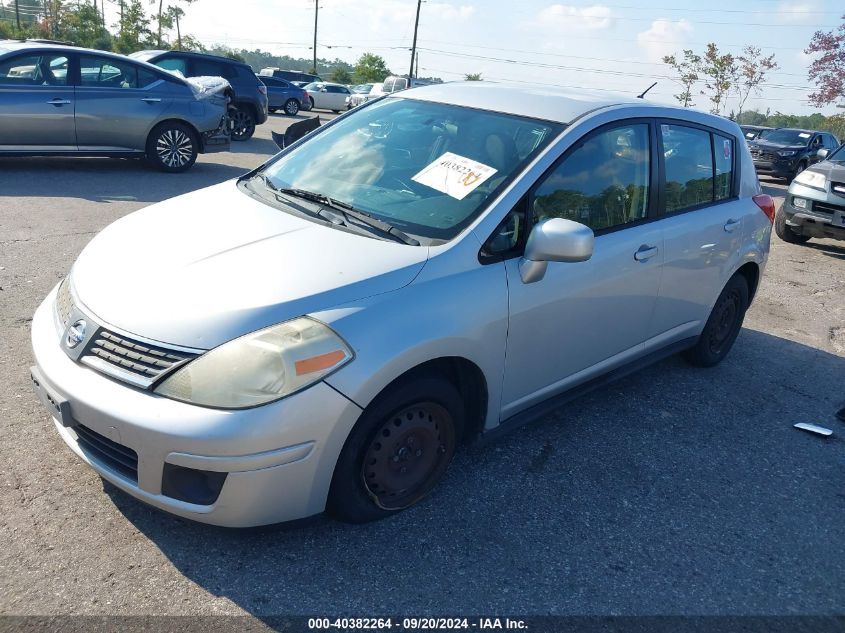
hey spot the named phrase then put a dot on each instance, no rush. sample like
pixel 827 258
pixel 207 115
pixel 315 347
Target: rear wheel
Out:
pixel 722 326
pixel 785 232
pixel 243 124
pixel 172 147
pixel 398 450
pixel 291 107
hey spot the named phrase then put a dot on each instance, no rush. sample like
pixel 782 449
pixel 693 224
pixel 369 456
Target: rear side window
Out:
pixel 104 72
pixel 209 68
pixel 604 183
pixel 723 151
pixel 34 70
pixel 145 78
pixel 173 63
pixel 688 165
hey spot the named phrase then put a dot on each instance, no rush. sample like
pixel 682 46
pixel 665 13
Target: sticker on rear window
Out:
pixel 803 135
pixel 456 176
pixel 727 149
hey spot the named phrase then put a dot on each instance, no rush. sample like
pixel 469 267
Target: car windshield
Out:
pixel 426 168
pixel 314 86
pixel 838 155
pixel 788 137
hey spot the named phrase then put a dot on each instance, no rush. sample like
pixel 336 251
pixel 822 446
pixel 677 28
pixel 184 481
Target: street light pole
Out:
pixel 316 12
pixel 414 46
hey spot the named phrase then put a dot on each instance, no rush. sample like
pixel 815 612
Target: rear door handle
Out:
pixel 151 100
pixel 59 102
pixel 731 225
pixel 645 252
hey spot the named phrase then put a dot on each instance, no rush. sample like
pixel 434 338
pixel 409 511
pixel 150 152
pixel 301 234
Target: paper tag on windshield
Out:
pixel 803 135
pixel 456 176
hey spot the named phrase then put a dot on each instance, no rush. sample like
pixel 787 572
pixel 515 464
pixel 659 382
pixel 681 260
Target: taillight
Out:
pixel 766 204
pixel 262 89
pixel 306 94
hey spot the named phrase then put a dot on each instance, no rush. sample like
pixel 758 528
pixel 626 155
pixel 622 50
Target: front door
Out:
pixel 37 103
pixel 582 319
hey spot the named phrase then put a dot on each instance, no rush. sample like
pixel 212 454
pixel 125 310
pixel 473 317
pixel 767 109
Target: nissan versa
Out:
pixel 324 332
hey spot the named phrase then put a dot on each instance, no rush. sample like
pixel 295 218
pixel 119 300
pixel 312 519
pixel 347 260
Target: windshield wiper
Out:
pixel 350 212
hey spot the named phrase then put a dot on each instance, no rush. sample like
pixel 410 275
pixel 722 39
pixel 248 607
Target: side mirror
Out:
pixel 823 153
pixel 554 240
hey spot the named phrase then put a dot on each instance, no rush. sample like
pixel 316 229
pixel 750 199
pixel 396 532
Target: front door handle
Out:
pixel 151 100
pixel 731 225
pixel 645 252
pixel 59 102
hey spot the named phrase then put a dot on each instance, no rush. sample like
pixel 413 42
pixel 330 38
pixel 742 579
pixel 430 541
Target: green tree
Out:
pixel 719 72
pixel 340 75
pixel 133 29
pixel 82 25
pixel 687 68
pixel 370 68
pixel 473 77
pixel 752 71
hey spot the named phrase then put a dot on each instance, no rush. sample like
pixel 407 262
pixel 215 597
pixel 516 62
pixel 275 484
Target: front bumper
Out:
pixel 822 217
pixel 780 168
pixel 217 140
pixel 278 458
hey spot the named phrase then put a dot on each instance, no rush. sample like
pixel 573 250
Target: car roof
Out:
pixel 540 102
pixel 797 129
pixel 218 58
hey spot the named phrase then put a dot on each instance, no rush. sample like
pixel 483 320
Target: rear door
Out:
pixel 38 102
pixel 118 102
pixel 702 225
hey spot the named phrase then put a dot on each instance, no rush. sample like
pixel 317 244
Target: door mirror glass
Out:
pixel 555 240
pixel 823 153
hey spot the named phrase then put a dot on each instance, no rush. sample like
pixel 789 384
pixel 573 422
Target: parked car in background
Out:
pixel 64 100
pixel 283 95
pixel 442 263
pixel 395 84
pixel 357 98
pixel 753 132
pixel 786 152
pixel 327 96
pixel 250 95
pixel 359 89
pixel 814 206
pixel 301 78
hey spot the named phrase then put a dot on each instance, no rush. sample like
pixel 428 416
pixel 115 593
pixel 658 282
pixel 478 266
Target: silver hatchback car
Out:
pixel 324 332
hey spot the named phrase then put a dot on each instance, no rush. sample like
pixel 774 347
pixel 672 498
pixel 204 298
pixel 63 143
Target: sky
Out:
pixel 615 46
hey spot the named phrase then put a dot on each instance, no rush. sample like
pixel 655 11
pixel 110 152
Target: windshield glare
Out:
pixel 427 168
pixel 788 137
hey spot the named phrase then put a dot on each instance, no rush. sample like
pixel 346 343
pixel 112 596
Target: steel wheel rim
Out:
pixel 241 124
pixel 174 148
pixel 725 319
pixel 408 454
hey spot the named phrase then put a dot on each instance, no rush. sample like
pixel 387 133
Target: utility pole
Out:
pixel 414 46
pixel 316 12
pixel 17 16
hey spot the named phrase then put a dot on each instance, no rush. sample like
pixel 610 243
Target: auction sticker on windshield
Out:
pixel 456 176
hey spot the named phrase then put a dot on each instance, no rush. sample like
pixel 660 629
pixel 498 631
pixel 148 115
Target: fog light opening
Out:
pixel 201 487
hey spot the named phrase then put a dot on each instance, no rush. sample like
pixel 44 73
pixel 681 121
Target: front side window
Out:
pixel 103 72
pixel 208 68
pixel 34 70
pixel 173 63
pixel 603 184
pixel 427 168
pixel 688 164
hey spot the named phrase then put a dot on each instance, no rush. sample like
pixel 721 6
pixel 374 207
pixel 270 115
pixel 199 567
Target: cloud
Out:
pixel 565 16
pixel 664 37
pixel 796 12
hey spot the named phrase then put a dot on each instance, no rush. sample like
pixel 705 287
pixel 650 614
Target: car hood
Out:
pixel 833 171
pixel 208 266
pixel 777 146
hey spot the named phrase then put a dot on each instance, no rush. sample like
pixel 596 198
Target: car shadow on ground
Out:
pixel 676 490
pixel 831 250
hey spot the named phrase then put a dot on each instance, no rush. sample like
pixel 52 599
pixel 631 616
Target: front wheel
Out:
pixel 398 451
pixel 785 232
pixel 722 326
pixel 243 124
pixel 172 147
pixel 801 167
pixel 291 107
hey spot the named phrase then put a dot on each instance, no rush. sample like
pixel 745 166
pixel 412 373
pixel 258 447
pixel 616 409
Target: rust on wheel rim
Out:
pixel 408 454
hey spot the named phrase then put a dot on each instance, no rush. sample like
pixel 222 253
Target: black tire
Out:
pixel 172 147
pixel 243 123
pixel 398 450
pixel 291 107
pixel 722 326
pixel 801 167
pixel 311 99
pixel 785 233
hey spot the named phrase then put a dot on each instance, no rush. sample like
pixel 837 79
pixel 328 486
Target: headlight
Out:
pixel 787 152
pixel 811 179
pixel 260 367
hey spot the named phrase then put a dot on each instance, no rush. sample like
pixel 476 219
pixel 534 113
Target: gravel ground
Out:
pixel 675 491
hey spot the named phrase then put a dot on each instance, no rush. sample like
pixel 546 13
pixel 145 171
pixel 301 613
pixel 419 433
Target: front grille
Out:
pixel 761 155
pixel 824 207
pixel 141 359
pixel 64 303
pixel 110 454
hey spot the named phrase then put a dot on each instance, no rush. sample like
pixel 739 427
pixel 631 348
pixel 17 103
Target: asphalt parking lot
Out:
pixel 675 491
